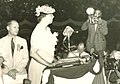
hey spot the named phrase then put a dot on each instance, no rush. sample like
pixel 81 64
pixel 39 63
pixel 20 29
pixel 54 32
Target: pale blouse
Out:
pixel 43 39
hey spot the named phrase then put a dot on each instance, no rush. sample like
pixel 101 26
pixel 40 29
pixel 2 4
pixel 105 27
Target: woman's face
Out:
pixel 49 18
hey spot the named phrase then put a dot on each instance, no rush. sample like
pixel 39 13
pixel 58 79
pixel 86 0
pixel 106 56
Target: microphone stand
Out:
pixel 69 42
pixel 67 33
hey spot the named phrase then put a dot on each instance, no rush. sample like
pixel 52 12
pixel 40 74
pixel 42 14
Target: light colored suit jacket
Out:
pixel 20 57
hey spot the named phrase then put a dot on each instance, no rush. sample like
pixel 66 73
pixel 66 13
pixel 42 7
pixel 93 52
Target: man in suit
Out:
pixel 96 42
pixel 15 52
pixel 96 32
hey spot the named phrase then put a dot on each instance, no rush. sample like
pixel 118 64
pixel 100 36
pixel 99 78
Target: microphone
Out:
pixel 68 31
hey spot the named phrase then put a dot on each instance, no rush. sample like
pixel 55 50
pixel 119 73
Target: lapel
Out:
pixel 7 45
pixel 18 44
pixel 17 50
pixel 16 41
pixel 100 21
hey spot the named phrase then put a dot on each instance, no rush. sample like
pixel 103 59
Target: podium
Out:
pixel 69 74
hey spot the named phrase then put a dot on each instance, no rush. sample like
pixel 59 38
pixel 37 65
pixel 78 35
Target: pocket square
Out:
pixel 19 47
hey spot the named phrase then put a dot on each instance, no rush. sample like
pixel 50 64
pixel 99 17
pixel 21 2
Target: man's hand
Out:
pixel 12 73
pixel 118 81
pixel 92 50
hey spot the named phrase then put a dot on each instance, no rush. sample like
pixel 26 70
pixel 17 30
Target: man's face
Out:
pixel 13 28
pixel 81 48
pixel 97 13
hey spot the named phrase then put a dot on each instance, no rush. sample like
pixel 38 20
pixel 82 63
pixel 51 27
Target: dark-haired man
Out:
pixel 96 41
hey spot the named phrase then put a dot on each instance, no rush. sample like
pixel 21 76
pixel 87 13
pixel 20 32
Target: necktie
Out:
pixel 12 46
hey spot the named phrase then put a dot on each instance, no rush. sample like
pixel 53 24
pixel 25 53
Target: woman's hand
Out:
pixel 55 34
pixel 51 65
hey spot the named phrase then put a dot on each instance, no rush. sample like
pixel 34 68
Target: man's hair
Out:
pixel 10 22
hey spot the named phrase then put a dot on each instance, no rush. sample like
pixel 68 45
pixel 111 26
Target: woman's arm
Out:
pixel 37 55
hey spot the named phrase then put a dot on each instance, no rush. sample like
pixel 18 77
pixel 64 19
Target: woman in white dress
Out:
pixel 42 44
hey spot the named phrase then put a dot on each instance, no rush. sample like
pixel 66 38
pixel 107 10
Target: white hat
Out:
pixel 44 9
pixel 90 11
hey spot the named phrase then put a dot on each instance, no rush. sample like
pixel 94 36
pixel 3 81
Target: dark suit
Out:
pixel 96 38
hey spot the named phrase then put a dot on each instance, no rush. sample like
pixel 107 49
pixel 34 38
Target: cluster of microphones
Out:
pixel 68 31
